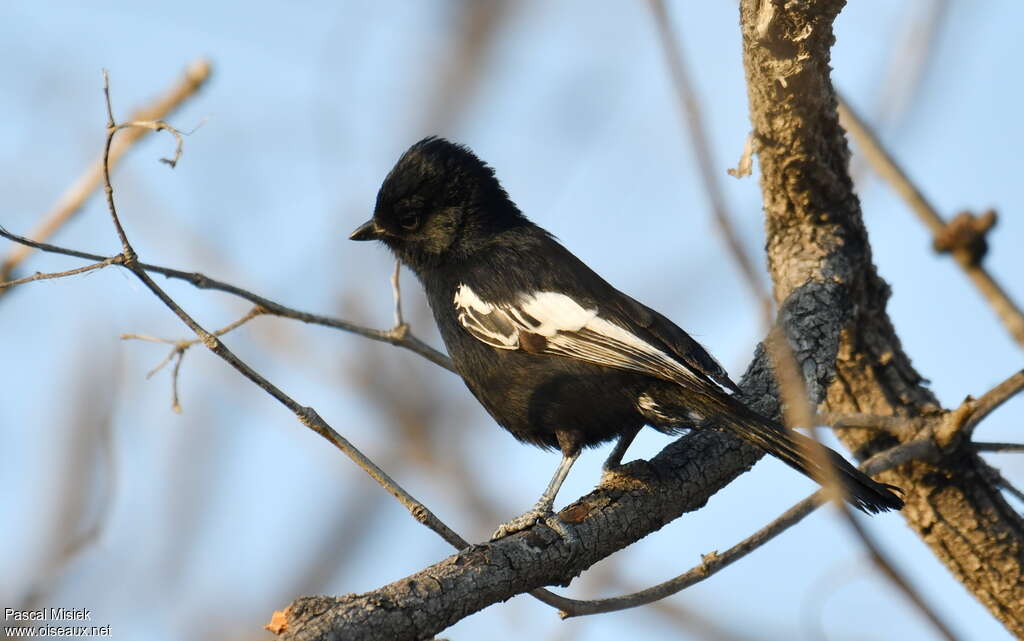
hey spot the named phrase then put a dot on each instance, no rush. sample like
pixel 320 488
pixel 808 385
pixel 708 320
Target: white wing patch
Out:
pixel 483 321
pixel 554 323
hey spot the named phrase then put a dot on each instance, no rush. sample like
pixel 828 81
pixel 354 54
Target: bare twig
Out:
pixel 691 112
pixel 71 272
pixel 175 398
pixel 306 415
pixel 1006 485
pixel 745 165
pixel 177 353
pixel 998 447
pixel 710 564
pixel 1007 310
pixel 181 345
pixel 992 400
pixel 401 339
pixel 896 577
pixel 798 412
pixel 898 426
pixel 947 428
pixel 908 62
pixel 966 233
pixel 713 562
pixel 160 125
pixel 396 289
pixel 72 200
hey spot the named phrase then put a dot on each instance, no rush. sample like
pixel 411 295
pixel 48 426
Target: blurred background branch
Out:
pixel 71 201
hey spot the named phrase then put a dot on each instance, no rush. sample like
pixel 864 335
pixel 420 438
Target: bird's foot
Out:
pixel 531 518
pixel 522 522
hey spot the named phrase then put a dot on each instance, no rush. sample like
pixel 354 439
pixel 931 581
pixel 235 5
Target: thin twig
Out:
pixel 179 348
pixel 992 400
pixel 713 562
pixel 404 339
pixel 160 125
pixel 159 366
pixel 396 289
pixel 898 426
pixel 710 564
pixel 71 201
pixel 71 272
pixel 175 403
pixel 897 578
pixel 1007 310
pixel 908 62
pixel 1006 485
pixel 798 411
pixel 692 116
pixel 998 447
pixel 306 415
pixel 745 165
pixel 126 248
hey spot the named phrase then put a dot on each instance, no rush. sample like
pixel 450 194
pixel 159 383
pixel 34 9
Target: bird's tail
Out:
pixel 796 450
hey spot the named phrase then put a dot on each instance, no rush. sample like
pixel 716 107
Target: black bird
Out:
pixel 560 358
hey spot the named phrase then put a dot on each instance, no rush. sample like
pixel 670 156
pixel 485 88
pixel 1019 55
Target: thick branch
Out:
pixel 822 269
pixel 815 232
pixel 968 251
pixel 627 506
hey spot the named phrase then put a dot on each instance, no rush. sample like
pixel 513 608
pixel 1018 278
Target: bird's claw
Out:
pixel 531 518
pixel 521 522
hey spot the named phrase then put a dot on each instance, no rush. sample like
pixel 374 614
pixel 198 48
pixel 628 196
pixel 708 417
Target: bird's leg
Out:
pixel 615 458
pixel 543 508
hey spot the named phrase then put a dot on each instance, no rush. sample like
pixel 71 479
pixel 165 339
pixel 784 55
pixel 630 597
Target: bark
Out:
pixel 833 310
pixel 815 232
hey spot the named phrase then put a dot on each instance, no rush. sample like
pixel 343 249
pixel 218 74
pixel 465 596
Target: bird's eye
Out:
pixel 409 221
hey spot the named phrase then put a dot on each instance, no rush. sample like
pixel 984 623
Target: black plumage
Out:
pixel 560 358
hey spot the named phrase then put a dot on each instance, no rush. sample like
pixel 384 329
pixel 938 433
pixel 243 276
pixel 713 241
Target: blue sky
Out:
pixel 218 514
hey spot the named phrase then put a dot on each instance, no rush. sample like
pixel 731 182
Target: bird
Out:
pixel 555 354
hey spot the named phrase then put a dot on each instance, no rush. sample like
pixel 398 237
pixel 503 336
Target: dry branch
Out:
pixel 816 233
pixel 392 336
pixel 71 201
pixel 967 254
pixel 691 112
pixel 799 413
pixel 713 562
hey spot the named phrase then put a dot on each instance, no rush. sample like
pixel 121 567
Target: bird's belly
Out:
pixel 533 396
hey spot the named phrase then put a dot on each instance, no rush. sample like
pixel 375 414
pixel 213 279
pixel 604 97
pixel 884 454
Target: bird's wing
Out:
pixel 681 344
pixel 553 323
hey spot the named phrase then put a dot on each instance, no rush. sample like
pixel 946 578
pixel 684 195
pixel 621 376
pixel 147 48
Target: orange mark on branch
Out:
pixel 278 622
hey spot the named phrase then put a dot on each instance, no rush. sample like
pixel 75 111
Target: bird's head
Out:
pixel 439 202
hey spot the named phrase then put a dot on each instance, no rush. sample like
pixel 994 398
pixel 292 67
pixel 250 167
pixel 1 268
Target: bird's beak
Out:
pixel 367 231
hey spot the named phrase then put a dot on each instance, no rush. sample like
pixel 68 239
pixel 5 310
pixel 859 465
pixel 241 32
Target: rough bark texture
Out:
pixel 627 507
pixel 815 232
pixel 833 309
